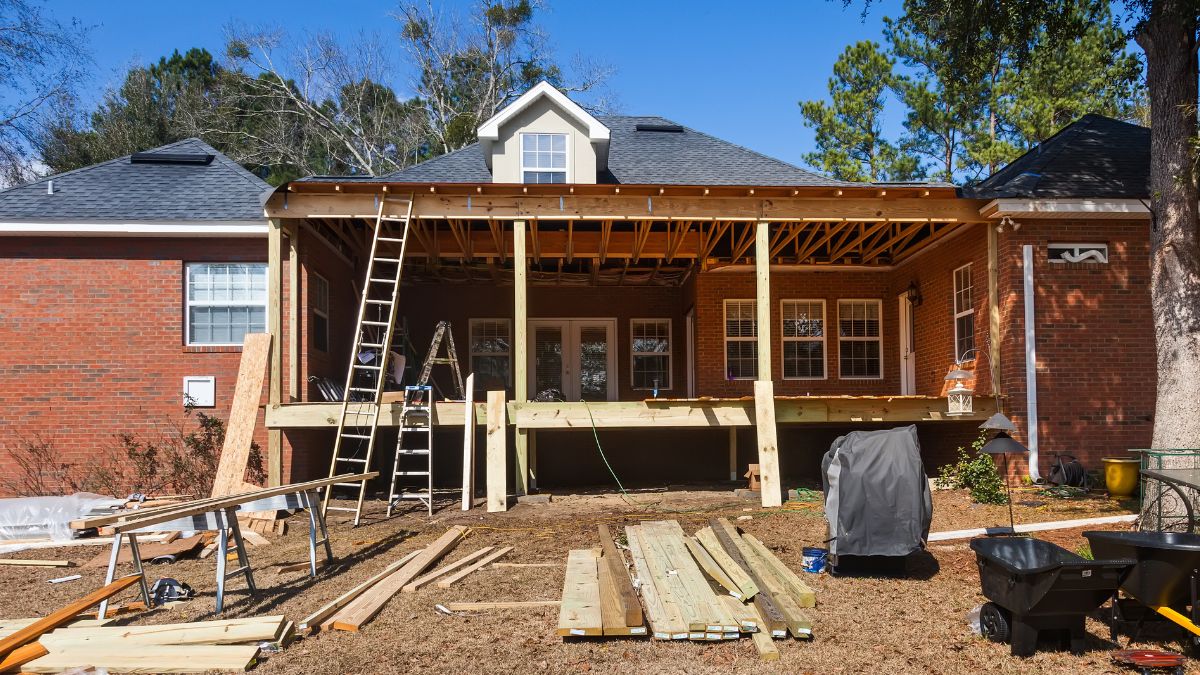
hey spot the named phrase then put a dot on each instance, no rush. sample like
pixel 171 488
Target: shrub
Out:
pixel 976 472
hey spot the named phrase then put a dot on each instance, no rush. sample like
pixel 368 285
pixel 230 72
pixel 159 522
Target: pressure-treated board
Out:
pixel 478 564
pixel 250 630
pixel 363 608
pixel 579 613
pixel 612 614
pixel 804 595
pixel 797 621
pixel 664 624
pixel 709 620
pixel 468 472
pixel 36 563
pixel 652 574
pixel 622 585
pixel 317 618
pixel 711 568
pixel 243 414
pixel 149 659
pixel 64 615
pixel 773 619
pixel 515 604
pixel 497 464
pixel 420 581
pixel 768 443
pixel 745 615
pixel 738 575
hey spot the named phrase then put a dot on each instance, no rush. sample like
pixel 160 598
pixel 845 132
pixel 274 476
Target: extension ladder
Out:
pixel 358 423
pixel 416 427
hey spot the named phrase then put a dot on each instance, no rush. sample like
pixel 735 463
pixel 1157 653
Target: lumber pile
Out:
pixel 717 585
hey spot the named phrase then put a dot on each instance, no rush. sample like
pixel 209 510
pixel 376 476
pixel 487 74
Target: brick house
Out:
pixel 661 273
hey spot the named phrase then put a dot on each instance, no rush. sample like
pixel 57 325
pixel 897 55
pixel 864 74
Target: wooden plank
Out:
pixel 664 623
pixel 579 613
pixel 179 547
pixel 228 632
pixel 735 572
pixel 612 613
pixel 516 604
pixel 480 564
pixel 768 444
pixel 804 595
pixel 243 415
pixel 293 235
pixel 65 614
pixel 22 655
pixel 773 619
pixel 797 621
pixel 362 609
pixel 627 598
pixel 711 568
pixel 763 642
pixel 689 587
pixel 423 580
pixel 520 352
pixel 14 562
pixel 150 659
pixel 314 620
pixel 745 615
pixel 468 467
pixel 275 328
pixel 497 431
pixel 762 288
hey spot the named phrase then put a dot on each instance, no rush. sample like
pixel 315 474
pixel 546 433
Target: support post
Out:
pixel 733 453
pixel 275 328
pixel 532 459
pixel 497 473
pixel 293 234
pixel 520 354
pixel 993 262
pixel 762 285
pixel 768 445
pixel 468 472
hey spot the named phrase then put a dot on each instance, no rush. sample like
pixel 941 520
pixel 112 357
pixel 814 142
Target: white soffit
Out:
pixel 248 228
pixel 1072 208
pixel 490 130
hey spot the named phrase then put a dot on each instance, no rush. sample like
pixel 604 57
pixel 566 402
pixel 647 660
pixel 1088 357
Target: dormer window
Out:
pixel 543 158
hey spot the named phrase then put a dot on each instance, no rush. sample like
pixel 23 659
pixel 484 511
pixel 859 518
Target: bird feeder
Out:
pixel 959 397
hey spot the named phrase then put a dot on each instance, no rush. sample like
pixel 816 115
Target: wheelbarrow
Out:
pixel 1164 576
pixel 1034 586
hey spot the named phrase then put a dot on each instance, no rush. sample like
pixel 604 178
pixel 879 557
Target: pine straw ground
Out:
pixel 912 625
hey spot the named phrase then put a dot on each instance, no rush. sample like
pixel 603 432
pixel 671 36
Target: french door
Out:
pixel 573 359
pixel 908 351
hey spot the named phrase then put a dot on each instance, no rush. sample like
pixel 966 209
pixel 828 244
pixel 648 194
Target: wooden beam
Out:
pixel 468 472
pixel 631 609
pixel 477 565
pixel 520 353
pixel 511 604
pixel 65 614
pixel 294 313
pixel 579 613
pixel 831 231
pixel 424 580
pixel 275 328
pixel 762 286
pixel 768 445
pixel 243 415
pixel 314 621
pixel 994 331
pixel 497 474
pixel 22 655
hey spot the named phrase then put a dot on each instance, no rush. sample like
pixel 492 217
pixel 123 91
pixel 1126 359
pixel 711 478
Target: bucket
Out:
pixel 1121 476
pixel 813 559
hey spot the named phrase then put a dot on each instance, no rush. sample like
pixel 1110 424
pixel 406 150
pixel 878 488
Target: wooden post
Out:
pixel 520 353
pixel 762 285
pixel 293 234
pixel 468 472
pixel 993 246
pixel 733 453
pixel 532 458
pixel 497 473
pixel 768 445
pixel 275 328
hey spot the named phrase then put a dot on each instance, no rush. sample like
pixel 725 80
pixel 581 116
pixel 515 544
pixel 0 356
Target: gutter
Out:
pixel 244 228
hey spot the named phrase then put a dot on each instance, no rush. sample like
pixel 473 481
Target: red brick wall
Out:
pixel 93 343
pixel 1094 337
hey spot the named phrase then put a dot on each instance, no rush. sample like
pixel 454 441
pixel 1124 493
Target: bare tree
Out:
pixel 42 60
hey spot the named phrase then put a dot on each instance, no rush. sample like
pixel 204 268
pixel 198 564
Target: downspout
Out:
pixel 1030 369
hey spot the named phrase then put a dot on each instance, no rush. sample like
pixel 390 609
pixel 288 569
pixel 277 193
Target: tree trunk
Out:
pixel 1168 37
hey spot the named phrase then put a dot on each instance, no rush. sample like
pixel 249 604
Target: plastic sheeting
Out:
pixel 47 517
pixel 877 498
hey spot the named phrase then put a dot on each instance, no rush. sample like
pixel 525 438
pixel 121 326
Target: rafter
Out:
pixel 832 230
pixel 788 234
pixel 744 242
pixel 847 246
pixel 605 236
pixel 903 234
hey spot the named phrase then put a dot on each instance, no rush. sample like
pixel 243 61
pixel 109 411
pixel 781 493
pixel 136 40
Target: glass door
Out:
pixel 573 359
pixel 548 368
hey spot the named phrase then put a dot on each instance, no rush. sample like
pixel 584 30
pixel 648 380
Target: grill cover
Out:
pixel 877 499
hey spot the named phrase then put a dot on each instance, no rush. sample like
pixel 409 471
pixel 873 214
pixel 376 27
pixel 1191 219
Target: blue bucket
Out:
pixel 813 559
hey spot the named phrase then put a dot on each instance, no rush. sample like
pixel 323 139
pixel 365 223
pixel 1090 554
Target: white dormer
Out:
pixel 544 137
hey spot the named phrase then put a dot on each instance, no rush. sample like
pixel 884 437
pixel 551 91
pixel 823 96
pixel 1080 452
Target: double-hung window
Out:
pixel 741 340
pixel 803 339
pixel 491 353
pixel 964 315
pixel 651 353
pixel 319 299
pixel 224 301
pixel 860 339
pixel 544 158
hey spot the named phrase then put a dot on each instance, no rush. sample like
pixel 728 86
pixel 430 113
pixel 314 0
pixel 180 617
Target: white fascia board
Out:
pixel 198 228
pixel 490 130
pixel 1074 208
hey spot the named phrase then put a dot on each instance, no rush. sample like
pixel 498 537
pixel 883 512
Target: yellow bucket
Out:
pixel 1121 476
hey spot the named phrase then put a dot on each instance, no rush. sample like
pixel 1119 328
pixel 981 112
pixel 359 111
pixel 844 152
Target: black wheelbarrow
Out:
pixel 1034 587
pixel 1164 576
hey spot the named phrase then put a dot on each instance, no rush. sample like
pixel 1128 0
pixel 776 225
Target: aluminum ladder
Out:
pixel 362 397
pixel 414 442
pixel 442 332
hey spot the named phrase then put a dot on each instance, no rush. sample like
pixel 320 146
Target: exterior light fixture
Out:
pixel 914 293
pixel 1003 444
pixel 958 398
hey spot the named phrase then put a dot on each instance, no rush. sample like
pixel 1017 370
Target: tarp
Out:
pixel 877 498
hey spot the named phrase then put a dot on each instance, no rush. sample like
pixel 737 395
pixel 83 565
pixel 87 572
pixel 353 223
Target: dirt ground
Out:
pixel 916 624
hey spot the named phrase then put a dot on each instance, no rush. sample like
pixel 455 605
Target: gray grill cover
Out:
pixel 877 497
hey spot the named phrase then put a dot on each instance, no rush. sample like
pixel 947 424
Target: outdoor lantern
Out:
pixel 958 399
pixel 1003 444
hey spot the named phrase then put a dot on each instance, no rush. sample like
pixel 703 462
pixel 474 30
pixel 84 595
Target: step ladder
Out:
pixel 442 332
pixel 414 450
pixel 358 423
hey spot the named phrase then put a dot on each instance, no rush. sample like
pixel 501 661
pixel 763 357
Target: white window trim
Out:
pixel 188 303
pixel 669 354
pixel 726 339
pixel 566 170
pixel 824 333
pixel 324 314
pixel 471 353
pixel 879 339
pixel 970 311
pixel 1076 246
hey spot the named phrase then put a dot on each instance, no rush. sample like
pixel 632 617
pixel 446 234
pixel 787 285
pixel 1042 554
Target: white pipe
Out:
pixel 1033 527
pixel 1031 417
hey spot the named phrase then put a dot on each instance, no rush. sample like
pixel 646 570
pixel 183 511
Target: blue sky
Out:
pixel 735 71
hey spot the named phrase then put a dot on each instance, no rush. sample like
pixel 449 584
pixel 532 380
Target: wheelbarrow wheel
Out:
pixel 994 623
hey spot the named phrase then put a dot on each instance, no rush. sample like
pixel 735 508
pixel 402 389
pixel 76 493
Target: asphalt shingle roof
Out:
pixel 118 190
pixel 1095 156
pixel 685 157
